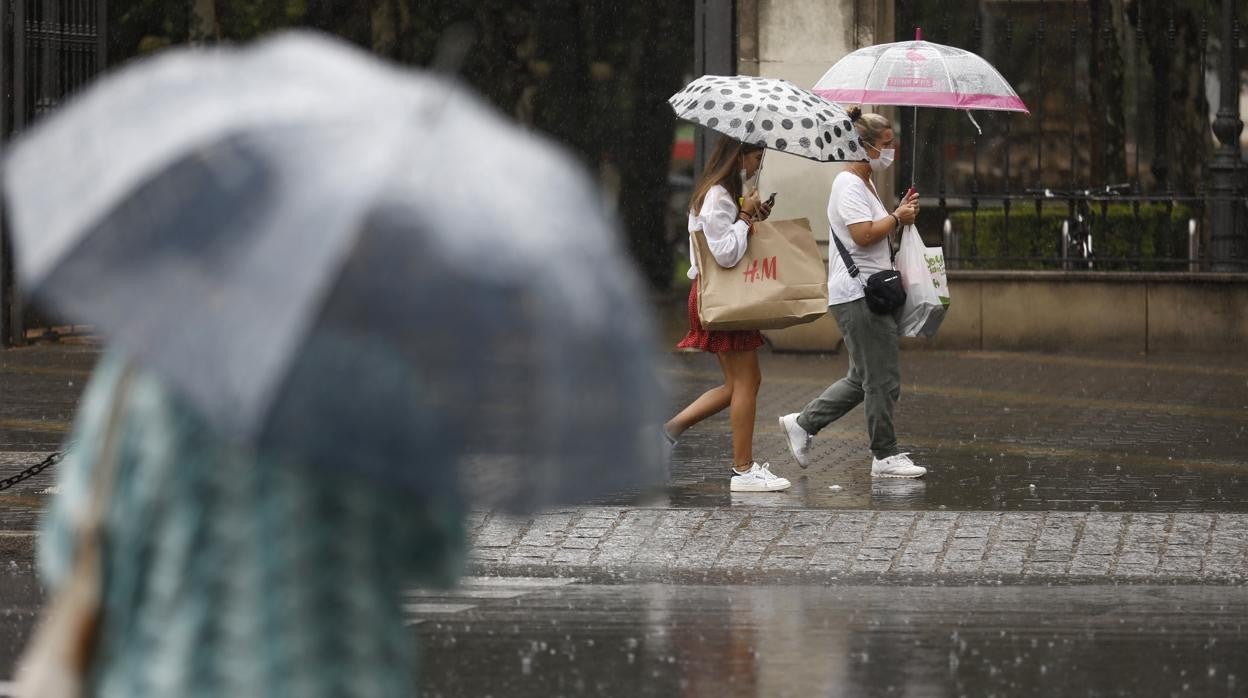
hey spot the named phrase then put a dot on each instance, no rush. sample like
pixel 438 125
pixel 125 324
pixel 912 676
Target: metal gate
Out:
pixel 1116 168
pixel 48 50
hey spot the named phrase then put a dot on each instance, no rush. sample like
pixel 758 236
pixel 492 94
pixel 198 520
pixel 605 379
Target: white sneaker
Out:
pixel 797 438
pixel 899 465
pixel 758 478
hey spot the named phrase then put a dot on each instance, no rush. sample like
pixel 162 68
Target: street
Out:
pixel 1119 573
pixel 522 637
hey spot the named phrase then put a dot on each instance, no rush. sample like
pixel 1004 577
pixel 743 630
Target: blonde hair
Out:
pixel 870 126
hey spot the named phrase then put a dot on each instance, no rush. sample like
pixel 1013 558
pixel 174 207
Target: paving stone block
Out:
pixel 1091 564
pixel 843 535
pixel 580 543
pixel 1135 570
pixel 1185 551
pixel 980 519
pixel 1215 565
pixel 971 532
pixel 1171 565
pixel 854 518
pixel 882 543
pixel 871 565
pixel 924 546
pixel 997 566
pixel 783 563
pixel 573 557
pixel 874 554
pixel 1047 568
pixel 964 555
pixel 811 518
pixel 737 561
pixel 829 566
pixel 969 567
pixel 921 562
pixel 834 551
pixel 528 554
pixel 488 554
pixel 1051 556
pixel 1134 557
pixel 894 522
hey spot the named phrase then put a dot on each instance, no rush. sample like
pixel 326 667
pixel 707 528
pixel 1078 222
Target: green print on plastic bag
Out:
pixel 935 265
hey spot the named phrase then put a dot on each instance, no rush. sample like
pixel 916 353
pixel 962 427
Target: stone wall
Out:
pixel 1076 312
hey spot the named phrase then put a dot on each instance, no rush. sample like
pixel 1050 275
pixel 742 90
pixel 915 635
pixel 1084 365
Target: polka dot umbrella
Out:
pixel 770 112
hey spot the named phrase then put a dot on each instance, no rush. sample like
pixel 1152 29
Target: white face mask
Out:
pixel 884 161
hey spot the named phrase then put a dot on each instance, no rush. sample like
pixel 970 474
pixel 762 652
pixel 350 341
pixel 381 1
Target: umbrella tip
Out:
pixel 918 33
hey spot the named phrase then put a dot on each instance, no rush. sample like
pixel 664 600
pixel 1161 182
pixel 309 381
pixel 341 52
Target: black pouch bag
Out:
pixel 883 289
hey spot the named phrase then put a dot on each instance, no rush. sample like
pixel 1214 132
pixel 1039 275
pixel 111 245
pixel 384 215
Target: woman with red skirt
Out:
pixel 726 216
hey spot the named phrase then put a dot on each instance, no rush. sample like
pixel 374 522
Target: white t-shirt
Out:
pixel 852 202
pixel 726 235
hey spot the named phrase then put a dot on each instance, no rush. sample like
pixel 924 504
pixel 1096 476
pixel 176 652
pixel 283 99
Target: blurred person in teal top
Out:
pixel 230 572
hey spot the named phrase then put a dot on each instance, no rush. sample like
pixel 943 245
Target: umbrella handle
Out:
pixel 971 116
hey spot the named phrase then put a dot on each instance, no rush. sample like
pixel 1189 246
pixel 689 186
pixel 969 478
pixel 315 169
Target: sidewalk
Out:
pixel 1041 467
pixel 752 543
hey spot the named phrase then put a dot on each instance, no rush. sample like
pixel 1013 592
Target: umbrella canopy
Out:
pixel 918 74
pixel 361 265
pixel 770 112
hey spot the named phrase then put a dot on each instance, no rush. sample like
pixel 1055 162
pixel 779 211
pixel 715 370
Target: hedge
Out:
pixel 1150 235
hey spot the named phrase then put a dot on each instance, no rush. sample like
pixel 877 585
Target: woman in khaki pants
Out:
pixel 863 226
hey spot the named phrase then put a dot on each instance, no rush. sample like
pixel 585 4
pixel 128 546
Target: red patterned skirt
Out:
pixel 716 341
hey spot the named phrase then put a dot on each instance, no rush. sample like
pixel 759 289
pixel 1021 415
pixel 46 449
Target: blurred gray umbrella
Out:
pixel 356 263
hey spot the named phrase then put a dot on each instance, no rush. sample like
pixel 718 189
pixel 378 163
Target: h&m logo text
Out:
pixel 770 270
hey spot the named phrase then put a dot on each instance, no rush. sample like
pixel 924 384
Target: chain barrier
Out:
pixel 32 471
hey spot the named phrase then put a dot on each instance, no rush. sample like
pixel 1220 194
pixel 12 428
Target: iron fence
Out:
pixel 1117 167
pixel 49 49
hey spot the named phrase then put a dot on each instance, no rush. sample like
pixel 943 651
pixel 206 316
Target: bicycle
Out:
pixel 1077 243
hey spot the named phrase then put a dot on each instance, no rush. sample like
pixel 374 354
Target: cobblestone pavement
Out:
pixel 755 543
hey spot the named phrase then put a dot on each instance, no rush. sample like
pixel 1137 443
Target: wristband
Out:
pixel 896 220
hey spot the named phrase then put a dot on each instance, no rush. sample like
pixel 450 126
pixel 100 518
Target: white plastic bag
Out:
pixel 922 272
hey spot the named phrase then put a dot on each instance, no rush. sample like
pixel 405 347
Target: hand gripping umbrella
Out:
pixel 361 265
pixel 918 74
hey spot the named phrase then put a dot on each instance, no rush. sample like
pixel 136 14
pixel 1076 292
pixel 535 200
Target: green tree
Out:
pixel 595 74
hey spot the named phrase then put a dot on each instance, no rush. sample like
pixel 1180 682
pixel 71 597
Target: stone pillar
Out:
pixel 798 40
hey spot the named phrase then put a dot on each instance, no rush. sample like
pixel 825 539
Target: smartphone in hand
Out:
pixel 771 200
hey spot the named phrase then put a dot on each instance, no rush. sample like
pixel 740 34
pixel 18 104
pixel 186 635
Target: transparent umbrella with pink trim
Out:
pixel 918 74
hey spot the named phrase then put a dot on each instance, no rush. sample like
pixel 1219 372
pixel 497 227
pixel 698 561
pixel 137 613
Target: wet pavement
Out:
pixel 999 432
pixel 662 640
pixel 969 582
pixel 523 637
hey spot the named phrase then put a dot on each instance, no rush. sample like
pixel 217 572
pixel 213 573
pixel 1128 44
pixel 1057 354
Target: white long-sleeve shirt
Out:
pixel 726 235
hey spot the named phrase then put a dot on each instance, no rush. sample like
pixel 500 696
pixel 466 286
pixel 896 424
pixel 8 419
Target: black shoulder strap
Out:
pixel 840 247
